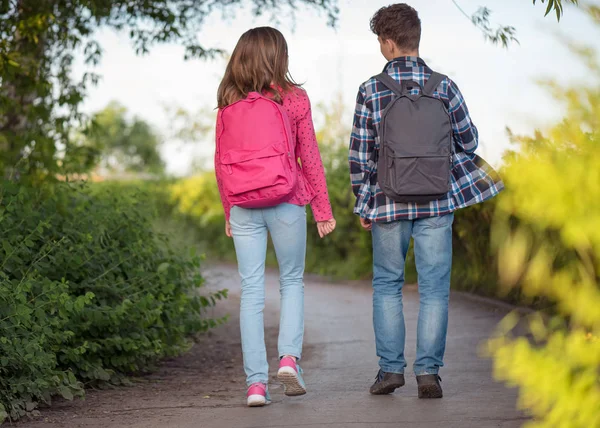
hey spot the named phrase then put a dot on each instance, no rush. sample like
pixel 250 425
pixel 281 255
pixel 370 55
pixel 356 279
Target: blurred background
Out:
pixel 109 205
pixel 499 84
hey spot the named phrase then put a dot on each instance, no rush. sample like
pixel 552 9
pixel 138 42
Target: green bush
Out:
pixel 474 265
pixel 196 200
pixel 90 291
pixel 547 235
pixel 347 251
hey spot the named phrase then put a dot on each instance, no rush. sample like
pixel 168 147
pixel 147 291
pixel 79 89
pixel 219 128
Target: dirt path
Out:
pixel 205 388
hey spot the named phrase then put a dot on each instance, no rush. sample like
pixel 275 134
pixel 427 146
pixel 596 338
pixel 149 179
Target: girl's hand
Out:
pixel 326 227
pixel 228 229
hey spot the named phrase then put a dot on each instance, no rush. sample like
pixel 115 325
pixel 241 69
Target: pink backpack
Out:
pixel 256 152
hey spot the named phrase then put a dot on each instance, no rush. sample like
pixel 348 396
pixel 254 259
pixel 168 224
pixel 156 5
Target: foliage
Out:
pixel 197 201
pixel 556 6
pixel 347 251
pixel 473 261
pixel 39 101
pixel 548 238
pixel 124 145
pixel 504 35
pixel 475 264
pixel 187 128
pixel 90 292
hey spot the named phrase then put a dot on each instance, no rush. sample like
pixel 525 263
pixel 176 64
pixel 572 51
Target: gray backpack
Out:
pixel 415 154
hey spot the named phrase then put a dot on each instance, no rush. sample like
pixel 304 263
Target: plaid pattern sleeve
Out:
pixel 362 145
pixel 465 133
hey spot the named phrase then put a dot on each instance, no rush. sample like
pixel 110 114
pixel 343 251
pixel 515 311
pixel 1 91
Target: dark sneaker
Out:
pixel 429 386
pixel 386 383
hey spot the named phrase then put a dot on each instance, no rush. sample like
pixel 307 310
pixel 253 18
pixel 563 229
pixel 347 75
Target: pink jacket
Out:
pixel 312 187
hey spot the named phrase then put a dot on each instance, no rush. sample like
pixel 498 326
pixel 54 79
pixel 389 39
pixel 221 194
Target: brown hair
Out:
pixel 259 63
pixel 399 23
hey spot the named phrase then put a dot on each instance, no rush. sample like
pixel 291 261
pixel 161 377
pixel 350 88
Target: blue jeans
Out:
pixel 433 257
pixel 287 225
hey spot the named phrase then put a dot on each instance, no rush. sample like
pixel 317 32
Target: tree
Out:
pixel 38 98
pixel 187 128
pixel 506 34
pixel 124 145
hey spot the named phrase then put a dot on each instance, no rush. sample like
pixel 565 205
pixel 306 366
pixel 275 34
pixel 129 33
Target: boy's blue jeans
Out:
pixel 287 225
pixel 433 257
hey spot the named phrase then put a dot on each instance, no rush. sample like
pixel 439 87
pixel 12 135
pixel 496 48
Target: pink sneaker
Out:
pixel 258 395
pixel 290 374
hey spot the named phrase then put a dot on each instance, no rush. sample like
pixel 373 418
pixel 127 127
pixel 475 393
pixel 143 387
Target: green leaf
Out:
pixel 7 247
pixel 549 8
pixel 65 392
pixel 102 374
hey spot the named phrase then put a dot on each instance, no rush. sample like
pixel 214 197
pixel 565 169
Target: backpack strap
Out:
pixel 390 83
pixel 434 81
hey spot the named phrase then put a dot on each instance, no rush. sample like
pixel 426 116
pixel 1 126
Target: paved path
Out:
pixel 205 389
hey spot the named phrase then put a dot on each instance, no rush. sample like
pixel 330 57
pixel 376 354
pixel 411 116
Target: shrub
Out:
pixel 197 201
pixel 548 240
pixel 90 292
pixel 347 251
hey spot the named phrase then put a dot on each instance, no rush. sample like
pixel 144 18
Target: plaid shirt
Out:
pixel 473 180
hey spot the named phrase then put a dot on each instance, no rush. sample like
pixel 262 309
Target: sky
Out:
pixel 499 85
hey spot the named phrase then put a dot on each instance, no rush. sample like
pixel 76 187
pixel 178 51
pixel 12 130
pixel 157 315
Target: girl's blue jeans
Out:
pixel 287 225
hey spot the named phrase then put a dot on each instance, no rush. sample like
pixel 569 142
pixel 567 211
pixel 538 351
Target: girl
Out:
pixel 259 65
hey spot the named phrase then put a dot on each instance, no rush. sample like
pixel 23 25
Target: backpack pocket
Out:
pixel 252 177
pixel 417 179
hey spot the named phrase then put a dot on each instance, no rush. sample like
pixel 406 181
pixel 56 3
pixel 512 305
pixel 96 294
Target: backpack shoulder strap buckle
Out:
pixel 399 88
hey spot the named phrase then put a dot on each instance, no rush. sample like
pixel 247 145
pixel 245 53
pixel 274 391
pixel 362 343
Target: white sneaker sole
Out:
pixel 257 400
pixel 289 378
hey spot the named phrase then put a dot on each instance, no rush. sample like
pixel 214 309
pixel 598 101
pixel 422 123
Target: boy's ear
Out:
pixel 387 47
pixel 390 45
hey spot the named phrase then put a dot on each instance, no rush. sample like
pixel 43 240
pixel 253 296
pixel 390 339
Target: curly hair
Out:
pixel 399 23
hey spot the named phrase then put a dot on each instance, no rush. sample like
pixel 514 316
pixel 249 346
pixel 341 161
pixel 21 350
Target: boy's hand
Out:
pixel 228 229
pixel 366 224
pixel 326 227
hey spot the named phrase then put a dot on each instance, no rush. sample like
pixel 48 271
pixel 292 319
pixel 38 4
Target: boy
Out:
pixel 427 219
